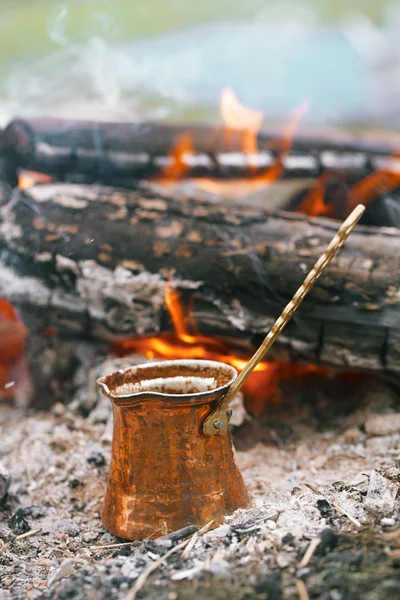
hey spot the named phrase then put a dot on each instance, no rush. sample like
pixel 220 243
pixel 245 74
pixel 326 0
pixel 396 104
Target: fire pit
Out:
pixel 118 244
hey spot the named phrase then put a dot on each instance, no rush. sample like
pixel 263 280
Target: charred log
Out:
pixel 122 153
pixel 94 262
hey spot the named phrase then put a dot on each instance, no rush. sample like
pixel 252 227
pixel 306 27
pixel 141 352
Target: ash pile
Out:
pixel 322 467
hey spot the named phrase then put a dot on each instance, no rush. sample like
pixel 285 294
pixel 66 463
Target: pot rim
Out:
pixel 193 398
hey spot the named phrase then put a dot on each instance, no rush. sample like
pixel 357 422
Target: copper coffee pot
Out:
pixel 165 473
pixel 172 461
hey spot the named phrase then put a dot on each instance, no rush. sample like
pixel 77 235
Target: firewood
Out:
pixel 122 153
pixel 94 261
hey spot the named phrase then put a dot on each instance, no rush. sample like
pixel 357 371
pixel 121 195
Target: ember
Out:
pixel 13 369
pixel 27 179
pixel 378 183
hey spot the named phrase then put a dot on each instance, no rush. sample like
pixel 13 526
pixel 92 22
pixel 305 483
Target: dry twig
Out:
pixel 114 546
pixel 309 553
pixel 141 580
pixel 190 546
pixel 336 506
pixel 194 539
pixel 144 575
pixel 302 590
pixel 27 534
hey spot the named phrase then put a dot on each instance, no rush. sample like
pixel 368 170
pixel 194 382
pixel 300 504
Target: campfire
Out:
pixel 121 243
pixel 58 166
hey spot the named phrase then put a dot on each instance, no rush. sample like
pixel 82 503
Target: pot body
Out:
pixel 165 473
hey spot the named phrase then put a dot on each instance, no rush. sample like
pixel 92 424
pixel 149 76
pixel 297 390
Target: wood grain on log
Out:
pixel 94 261
pixel 121 153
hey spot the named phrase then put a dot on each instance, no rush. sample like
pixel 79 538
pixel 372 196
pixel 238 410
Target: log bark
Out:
pixel 93 261
pixel 122 153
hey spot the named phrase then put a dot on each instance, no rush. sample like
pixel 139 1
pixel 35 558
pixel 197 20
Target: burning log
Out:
pixel 122 153
pixel 95 262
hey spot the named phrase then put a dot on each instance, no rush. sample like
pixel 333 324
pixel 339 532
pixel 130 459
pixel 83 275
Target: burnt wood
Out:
pixel 122 153
pixel 93 261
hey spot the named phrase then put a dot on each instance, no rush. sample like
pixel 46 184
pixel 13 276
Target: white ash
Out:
pixel 381 495
pixel 47 456
pixel 239 412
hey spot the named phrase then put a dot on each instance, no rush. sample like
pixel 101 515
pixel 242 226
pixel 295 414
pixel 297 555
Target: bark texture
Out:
pixel 93 261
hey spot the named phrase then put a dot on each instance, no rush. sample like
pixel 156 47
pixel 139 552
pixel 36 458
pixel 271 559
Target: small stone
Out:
pixel 288 538
pixel 381 495
pixel 352 436
pixel 128 569
pixel 58 409
pixel 388 522
pixel 34 511
pixel 125 551
pixel 65 570
pixel 97 458
pixel 329 540
pixel 392 473
pixel 324 508
pixel 68 527
pixel 283 560
pixel 218 533
pixel 18 523
pixel 386 424
pixel 74 483
pixel 5 481
pixel 90 536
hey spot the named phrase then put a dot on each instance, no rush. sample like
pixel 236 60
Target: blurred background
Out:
pixel 170 59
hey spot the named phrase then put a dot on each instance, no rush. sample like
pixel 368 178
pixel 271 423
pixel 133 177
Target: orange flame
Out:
pixel 178 165
pixel 27 179
pixel 313 204
pixel 262 385
pixel 12 343
pixel 236 116
pixel 365 191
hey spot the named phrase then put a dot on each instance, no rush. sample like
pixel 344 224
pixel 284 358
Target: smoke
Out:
pixel 86 75
pixel 273 59
pixel 56 26
pixel 100 23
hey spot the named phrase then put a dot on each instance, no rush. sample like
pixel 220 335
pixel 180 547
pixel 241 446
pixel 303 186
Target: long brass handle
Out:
pixel 217 422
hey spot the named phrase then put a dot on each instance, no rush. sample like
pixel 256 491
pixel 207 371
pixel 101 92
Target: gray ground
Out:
pixel 323 469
